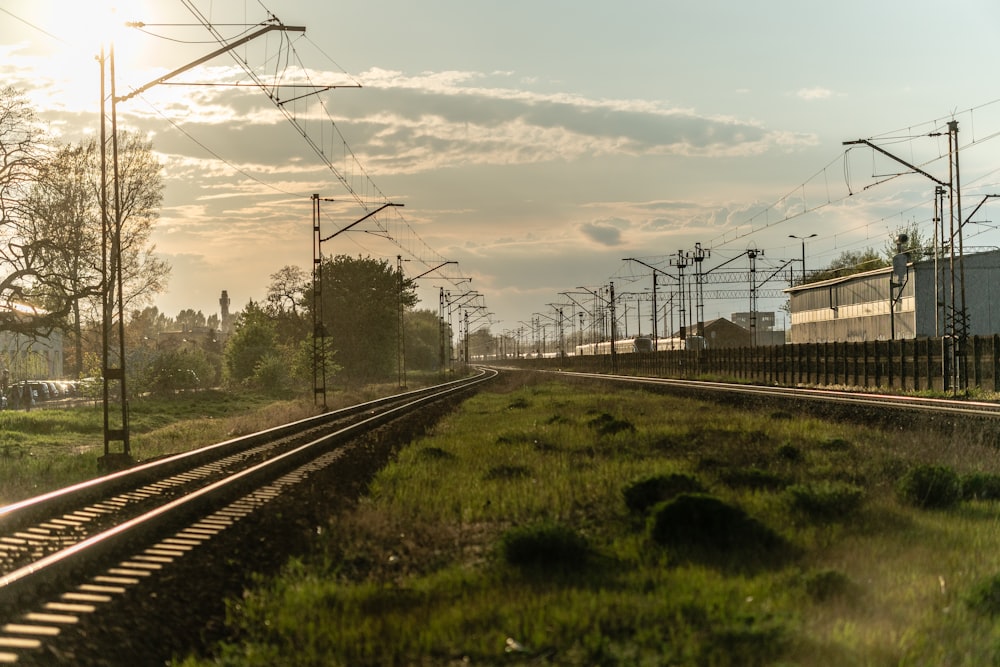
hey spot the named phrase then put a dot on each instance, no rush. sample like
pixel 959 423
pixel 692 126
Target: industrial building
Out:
pixel 912 300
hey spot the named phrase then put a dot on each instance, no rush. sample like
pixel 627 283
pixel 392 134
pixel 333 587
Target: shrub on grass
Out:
pixel 605 424
pixel 981 486
pixel 503 472
pixel 641 495
pixel 789 452
pixel 435 454
pixel 825 500
pixel 985 598
pixel 701 526
pixel 754 479
pixel 826 585
pixel 930 487
pixel 747 640
pixel 836 445
pixel 548 547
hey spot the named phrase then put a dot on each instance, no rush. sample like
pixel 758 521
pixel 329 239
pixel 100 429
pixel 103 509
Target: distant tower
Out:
pixel 224 307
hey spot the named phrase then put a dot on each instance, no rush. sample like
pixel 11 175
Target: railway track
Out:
pixel 874 409
pixel 67 555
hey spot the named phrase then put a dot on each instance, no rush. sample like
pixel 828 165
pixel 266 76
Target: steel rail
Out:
pixel 926 405
pixel 48 572
pixel 83 493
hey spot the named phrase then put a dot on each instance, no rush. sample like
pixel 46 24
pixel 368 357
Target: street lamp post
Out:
pixel 803 240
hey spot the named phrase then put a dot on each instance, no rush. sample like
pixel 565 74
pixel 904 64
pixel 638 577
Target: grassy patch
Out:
pixel 46 449
pixel 645 529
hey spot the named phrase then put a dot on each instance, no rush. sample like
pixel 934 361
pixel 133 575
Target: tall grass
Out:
pixel 505 538
pixel 46 449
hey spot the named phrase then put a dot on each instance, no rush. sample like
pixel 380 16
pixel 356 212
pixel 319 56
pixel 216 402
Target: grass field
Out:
pixel 564 524
pixel 47 449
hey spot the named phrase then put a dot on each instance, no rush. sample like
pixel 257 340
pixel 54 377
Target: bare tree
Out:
pixel 24 270
pixel 62 217
pixel 287 289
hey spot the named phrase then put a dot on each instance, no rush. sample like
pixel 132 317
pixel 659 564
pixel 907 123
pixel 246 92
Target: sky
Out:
pixel 533 149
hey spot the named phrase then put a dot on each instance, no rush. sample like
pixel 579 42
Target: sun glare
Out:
pixel 69 37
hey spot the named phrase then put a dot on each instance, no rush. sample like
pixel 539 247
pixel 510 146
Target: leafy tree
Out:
pixel 254 337
pixel 423 340
pixel 190 320
pixel 361 298
pixel 145 325
pixel 850 262
pixel 482 343
pixel 285 301
pixel 916 246
pixel 858 261
pixel 287 289
pixel 62 217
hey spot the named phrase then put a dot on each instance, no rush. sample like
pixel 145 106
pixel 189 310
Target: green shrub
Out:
pixel 930 487
pixel 985 598
pixel 434 454
pixel 825 500
pixel 642 495
pixel 703 527
pixel 790 452
pixel 836 445
pixel 981 486
pixel 826 585
pixel 605 424
pixel 748 641
pixel 502 472
pixel 548 547
pixel 754 479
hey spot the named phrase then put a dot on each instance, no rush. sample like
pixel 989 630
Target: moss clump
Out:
pixel 605 424
pixel 702 527
pixel 826 585
pixel 503 472
pixel 646 493
pixel 826 500
pixel 981 486
pixel 547 547
pixel 985 598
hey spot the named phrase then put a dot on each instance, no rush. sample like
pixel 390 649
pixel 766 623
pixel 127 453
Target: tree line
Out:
pixel 51 254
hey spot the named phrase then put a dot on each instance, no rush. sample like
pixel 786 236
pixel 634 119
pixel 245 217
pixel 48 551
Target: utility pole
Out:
pixel 319 324
pixel 752 254
pixel 698 255
pixel 803 239
pixel 957 322
pixel 116 427
pixel 681 262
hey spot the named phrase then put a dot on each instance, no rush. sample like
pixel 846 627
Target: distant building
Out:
pixel 224 312
pixel 857 307
pixel 28 357
pixel 762 320
pixel 721 333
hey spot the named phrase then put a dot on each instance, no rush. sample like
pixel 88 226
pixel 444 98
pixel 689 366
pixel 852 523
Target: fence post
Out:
pixel 864 351
pixel 977 358
pixel 902 364
pixel 996 361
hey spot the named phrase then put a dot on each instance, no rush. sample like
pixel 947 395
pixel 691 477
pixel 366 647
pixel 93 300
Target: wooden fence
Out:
pixel 914 364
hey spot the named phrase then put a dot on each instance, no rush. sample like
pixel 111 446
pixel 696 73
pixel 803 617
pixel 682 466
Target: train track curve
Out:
pixel 119 545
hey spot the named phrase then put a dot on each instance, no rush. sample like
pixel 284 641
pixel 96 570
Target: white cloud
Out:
pixel 814 93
